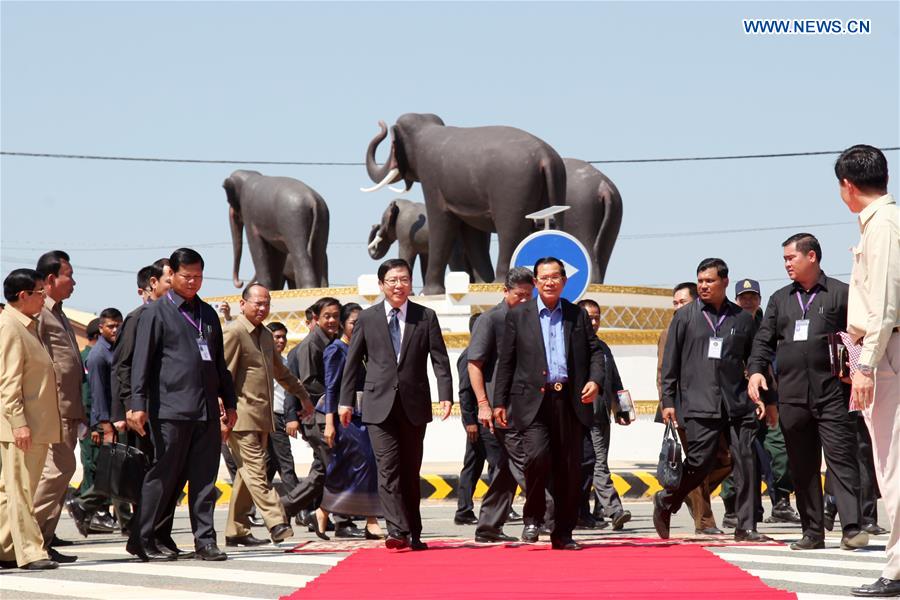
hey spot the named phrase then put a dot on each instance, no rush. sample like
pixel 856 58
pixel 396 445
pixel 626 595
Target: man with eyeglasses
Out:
pixel 549 372
pixel 253 360
pixel 59 339
pixel 178 375
pixel 394 338
pixel 29 420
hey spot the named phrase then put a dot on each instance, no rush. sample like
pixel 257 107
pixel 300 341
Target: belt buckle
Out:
pixel 558 386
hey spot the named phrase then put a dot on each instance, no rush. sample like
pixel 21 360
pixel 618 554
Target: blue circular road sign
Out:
pixel 566 248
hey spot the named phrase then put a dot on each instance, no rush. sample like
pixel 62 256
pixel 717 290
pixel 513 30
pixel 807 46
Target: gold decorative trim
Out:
pixel 643 407
pixel 597 288
pixel 304 293
pixel 456 341
pixel 647 337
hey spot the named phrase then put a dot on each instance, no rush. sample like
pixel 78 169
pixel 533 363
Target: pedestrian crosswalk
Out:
pixel 106 572
pixel 811 574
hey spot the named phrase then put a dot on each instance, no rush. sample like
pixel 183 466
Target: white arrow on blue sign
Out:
pixel 566 248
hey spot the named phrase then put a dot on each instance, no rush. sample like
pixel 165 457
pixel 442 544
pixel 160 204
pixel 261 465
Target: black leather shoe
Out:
pixel 851 540
pixel 493 537
pixel 751 535
pixel 256 521
pixel 619 519
pixel 164 544
pixel 729 521
pixel 783 512
pixel 709 531
pixel 513 516
pixel 210 552
pixel 78 515
pixel 883 588
pixel 418 545
pixel 830 514
pixel 585 521
pixel 531 533
pixel 661 518
pixel 393 542
pixel 61 558
pixel 244 540
pixel 808 543
pixel 281 532
pixel 41 565
pixel 349 533
pixel 369 535
pixel 566 545
pixel 150 554
pixel 58 543
pixel 875 529
pixel 466 519
pixel 101 523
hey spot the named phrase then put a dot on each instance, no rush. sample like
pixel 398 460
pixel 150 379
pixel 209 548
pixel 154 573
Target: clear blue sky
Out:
pixel 309 81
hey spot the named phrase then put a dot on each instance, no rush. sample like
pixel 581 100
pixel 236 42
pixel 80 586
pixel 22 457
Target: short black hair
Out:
pixel 348 309
pixel 164 262
pixel 111 313
pixel 50 262
pixel 323 303
pixel 185 256
pixel 393 263
pixel 246 293
pixel 714 263
pixel 145 274
pixel 311 313
pixel 805 242
pixel 92 331
pixel 472 320
pixel 549 259
pixel 588 302
pixel 864 166
pixel 277 326
pixel 518 276
pixel 690 286
pixel 20 280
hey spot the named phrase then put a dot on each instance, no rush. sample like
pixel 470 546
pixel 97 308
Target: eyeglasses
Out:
pixel 42 292
pixel 259 304
pixel 190 277
pixel 550 278
pixel 398 281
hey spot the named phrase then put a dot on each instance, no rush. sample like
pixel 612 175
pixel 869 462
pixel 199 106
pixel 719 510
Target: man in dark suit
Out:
pixel 178 375
pixel 550 370
pixel 394 338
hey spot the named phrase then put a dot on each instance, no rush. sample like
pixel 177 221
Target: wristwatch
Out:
pixel 866 370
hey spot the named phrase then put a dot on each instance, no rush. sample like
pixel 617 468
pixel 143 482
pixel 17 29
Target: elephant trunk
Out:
pixel 378 242
pixel 237 242
pixel 386 173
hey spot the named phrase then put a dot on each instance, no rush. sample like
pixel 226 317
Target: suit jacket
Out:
pixel 606 403
pixel 389 380
pixel 306 362
pixel 27 381
pixel 468 404
pixel 253 369
pixel 123 354
pixel 522 368
pixel 59 340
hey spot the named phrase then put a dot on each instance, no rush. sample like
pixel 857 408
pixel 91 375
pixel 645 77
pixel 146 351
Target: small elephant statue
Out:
pixel 486 178
pixel 595 215
pixel 405 222
pixel 284 218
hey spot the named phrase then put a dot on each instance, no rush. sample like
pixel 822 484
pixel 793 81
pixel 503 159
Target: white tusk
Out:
pixel 399 191
pixel 374 243
pixel 387 179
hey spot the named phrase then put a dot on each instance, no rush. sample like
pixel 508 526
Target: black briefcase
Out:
pixel 669 469
pixel 120 471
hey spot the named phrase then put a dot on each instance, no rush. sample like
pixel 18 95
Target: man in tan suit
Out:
pixel 59 339
pixel 253 361
pixel 29 420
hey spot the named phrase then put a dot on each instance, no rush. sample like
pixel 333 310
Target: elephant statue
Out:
pixel 595 214
pixel 284 217
pixel 405 222
pixel 488 178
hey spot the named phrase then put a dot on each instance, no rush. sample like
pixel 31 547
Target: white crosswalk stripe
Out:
pixel 812 574
pixel 108 573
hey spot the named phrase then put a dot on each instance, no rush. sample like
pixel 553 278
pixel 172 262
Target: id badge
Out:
pixel 801 330
pixel 715 348
pixel 204 349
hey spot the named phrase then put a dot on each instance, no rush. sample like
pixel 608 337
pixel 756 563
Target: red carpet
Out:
pixel 626 570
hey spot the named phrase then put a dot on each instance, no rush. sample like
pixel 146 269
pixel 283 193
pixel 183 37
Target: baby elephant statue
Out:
pixel 405 222
pixel 284 218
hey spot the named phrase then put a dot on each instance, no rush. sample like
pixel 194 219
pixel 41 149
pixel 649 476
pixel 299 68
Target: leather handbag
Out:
pixel 120 471
pixel 669 469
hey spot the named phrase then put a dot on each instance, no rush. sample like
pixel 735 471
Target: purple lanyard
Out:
pixel 715 327
pixel 198 326
pixel 805 309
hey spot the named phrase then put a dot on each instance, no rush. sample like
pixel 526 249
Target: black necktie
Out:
pixel 394 328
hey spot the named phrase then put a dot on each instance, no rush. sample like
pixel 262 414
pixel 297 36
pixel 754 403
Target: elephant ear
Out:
pixel 394 210
pixel 232 192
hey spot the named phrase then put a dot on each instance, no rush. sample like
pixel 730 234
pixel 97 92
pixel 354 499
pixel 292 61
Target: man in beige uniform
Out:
pixel 251 357
pixel 59 339
pixel 873 319
pixel 29 420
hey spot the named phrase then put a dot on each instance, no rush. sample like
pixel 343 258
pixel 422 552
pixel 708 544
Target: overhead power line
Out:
pixel 210 161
